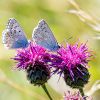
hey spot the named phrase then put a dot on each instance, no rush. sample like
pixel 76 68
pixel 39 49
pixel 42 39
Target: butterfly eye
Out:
pixel 58 46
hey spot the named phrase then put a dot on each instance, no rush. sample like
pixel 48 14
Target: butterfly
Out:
pixel 14 37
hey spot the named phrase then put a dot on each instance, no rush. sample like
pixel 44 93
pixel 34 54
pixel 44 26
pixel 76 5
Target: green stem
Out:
pixel 82 92
pixel 46 91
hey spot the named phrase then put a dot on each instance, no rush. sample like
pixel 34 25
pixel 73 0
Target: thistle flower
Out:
pixel 75 96
pixel 72 61
pixel 33 60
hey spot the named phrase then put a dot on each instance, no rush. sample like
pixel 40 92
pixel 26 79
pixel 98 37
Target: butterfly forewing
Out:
pixel 13 36
pixel 43 36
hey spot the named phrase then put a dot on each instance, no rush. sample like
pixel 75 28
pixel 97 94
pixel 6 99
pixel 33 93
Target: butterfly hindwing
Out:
pixel 13 36
pixel 43 36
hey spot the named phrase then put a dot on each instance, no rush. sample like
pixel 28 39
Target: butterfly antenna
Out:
pixel 67 39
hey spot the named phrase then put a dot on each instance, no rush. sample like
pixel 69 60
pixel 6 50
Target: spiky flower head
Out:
pixel 75 96
pixel 34 60
pixel 72 60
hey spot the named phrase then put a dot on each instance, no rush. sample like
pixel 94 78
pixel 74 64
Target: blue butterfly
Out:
pixel 14 37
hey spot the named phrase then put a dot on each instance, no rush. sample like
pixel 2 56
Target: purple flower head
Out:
pixel 34 60
pixel 74 55
pixel 72 60
pixel 75 96
pixel 30 55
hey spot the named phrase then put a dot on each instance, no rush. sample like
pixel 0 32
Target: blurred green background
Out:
pixel 79 19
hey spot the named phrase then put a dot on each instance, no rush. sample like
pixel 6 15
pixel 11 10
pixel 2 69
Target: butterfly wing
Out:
pixel 43 36
pixel 13 36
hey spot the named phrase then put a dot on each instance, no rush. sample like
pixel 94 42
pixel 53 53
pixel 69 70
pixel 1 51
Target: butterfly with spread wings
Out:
pixel 14 37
